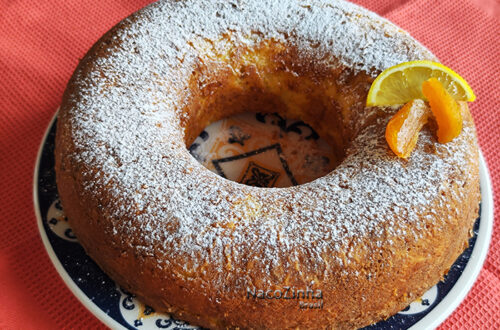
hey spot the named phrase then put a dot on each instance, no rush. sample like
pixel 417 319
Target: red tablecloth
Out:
pixel 40 45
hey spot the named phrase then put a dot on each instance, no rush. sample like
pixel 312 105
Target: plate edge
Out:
pixel 439 314
pixel 70 284
pixel 469 275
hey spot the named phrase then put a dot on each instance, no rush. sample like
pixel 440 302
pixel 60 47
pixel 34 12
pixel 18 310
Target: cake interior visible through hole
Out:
pixel 271 98
pixel 264 150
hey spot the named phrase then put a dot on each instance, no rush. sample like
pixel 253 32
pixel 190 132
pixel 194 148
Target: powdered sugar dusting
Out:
pixel 125 125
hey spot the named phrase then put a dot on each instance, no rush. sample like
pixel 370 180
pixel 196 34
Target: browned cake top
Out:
pixel 126 113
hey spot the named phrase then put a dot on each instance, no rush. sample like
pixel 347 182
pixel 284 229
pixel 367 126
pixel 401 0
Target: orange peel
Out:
pixel 445 109
pixel 402 130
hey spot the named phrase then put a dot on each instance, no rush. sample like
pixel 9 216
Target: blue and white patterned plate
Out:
pixel 119 309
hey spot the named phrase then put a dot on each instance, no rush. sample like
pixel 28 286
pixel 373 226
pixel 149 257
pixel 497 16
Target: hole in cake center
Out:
pixel 264 150
pixel 270 115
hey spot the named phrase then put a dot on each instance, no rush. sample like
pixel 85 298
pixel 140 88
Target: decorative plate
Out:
pixel 119 309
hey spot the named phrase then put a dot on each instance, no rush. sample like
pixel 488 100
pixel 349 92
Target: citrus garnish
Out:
pixel 445 109
pixel 402 130
pixel 403 82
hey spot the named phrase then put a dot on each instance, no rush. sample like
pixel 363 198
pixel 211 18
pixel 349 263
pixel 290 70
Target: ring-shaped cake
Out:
pixel 366 239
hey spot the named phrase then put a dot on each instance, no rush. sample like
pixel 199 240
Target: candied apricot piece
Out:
pixel 445 109
pixel 402 130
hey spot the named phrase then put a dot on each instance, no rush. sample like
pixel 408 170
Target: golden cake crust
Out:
pixel 372 236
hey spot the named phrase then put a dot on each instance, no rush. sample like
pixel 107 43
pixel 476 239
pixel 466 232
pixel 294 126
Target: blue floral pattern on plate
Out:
pixel 128 311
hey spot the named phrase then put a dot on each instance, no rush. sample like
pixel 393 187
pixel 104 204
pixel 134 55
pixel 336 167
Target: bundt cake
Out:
pixel 359 244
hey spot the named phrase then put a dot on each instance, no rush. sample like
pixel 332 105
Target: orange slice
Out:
pixel 445 109
pixel 402 130
pixel 402 83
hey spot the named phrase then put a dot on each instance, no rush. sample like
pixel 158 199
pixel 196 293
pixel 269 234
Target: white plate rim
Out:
pixel 475 263
pixel 80 295
pixel 433 319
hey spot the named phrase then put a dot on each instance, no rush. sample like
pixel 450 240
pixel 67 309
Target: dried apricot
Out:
pixel 402 130
pixel 445 109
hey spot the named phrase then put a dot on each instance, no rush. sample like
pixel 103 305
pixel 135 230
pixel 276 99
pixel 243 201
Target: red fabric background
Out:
pixel 40 45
